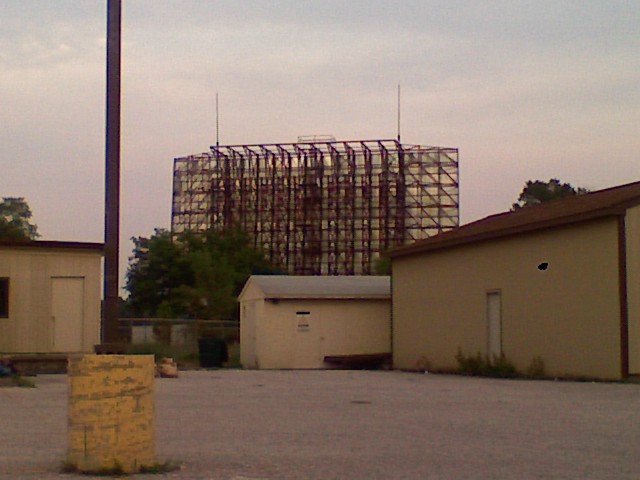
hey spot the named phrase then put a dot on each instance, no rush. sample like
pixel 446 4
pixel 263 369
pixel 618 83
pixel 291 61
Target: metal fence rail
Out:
pixel 176 332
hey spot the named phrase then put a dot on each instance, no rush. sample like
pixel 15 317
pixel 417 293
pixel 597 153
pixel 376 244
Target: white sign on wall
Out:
pixel 303 321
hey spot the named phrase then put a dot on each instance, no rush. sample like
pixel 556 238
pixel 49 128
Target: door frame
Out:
pixel 494 323
pixel 52 281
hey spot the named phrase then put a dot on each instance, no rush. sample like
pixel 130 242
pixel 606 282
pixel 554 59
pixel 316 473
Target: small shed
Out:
pixel 49 296
pixel 554 285
pixel 308 321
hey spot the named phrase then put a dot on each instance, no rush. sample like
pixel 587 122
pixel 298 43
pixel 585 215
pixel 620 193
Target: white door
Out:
pixel 67 312
pixel 494 324
pixel 307 342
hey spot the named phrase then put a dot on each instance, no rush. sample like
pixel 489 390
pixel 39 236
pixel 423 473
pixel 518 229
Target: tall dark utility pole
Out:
pixel 112 177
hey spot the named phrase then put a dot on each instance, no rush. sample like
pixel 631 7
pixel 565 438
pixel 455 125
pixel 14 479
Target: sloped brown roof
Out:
pixel 601 203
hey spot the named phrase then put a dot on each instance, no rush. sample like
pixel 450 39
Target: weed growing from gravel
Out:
pixel 160 468
pixel 537 368
pixel 16 381
pixel 118 471
pixel 481 365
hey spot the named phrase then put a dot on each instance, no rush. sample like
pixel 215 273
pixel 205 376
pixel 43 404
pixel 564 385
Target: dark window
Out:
pixel 4 298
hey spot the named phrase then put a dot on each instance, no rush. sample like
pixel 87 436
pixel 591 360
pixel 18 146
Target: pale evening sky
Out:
pixel 525 89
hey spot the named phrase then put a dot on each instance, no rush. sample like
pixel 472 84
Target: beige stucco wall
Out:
pixel 337 327
pixel 568 315
pixel 632 224
pixel 251 305
pixel 250 311
pixel 29 326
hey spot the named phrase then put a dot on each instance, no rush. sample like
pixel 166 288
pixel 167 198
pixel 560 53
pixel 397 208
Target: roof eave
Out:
pixel 53 245
pixel 438 243
pixel 273 297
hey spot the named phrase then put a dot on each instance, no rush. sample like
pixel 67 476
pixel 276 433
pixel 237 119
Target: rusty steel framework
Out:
pixel 320 208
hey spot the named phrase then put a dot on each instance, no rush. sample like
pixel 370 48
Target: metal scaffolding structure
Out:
pixel 320 207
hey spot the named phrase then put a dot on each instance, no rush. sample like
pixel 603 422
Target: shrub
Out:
pixel 469 364
pixel 536 368
pixel 481 365
pixel 500 367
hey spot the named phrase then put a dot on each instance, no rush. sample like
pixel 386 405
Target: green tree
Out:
pixel 156 269
pixel 194 276
pixel 14 220
pixel 536 192
pixel 382 265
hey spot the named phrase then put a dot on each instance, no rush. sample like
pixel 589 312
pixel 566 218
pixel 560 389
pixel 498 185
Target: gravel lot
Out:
pixel 254 425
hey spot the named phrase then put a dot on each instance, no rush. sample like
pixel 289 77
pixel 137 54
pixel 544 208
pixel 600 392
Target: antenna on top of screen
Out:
pixel 217 122
pixel 398 113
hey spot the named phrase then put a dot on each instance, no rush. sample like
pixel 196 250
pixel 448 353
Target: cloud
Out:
pixel 526 90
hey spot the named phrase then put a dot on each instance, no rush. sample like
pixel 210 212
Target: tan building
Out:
pixel 557 281
pixel 299 321
pixel 49 296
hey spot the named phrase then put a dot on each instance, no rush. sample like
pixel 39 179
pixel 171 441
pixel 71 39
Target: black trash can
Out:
pixel 213 352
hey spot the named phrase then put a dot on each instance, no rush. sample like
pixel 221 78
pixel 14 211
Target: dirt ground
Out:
pixel 258 425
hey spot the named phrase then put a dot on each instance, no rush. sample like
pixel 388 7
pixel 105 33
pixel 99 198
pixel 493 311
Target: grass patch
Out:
pixel 117 470
pixel 16 381
pixel 160 468
pixel 537 368
pixel 481 365
pixel 24 382
pixel 497 366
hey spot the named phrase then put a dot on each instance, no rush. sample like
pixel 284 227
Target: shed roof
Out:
pixel 51 245
pixel 580 208
pixel 298 287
